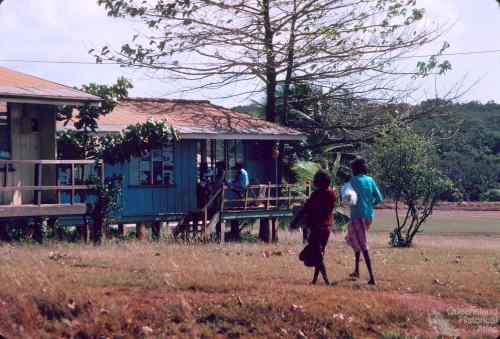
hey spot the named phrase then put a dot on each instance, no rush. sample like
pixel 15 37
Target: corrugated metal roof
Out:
pixel 194 120
pixel 17 86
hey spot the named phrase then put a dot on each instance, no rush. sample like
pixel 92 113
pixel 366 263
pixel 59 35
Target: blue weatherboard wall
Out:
pixel 146 201
pixel 179 198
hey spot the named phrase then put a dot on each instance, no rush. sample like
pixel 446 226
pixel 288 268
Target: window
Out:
pixel 4 132
pixel 153 168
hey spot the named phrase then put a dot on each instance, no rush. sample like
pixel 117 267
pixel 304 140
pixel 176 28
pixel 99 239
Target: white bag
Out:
pixel 349 196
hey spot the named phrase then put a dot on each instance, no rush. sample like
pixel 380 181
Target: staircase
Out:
pixel 194 227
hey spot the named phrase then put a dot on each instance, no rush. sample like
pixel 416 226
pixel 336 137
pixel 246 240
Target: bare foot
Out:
pixel 354 275
pixel 372 282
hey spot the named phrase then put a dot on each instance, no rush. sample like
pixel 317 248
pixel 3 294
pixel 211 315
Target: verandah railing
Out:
pixel 269 196
pixel 33 178
pixel 254 197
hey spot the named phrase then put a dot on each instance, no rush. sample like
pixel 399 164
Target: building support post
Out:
pixel 37 230
pixel 274 229
pixel 220 230
pixel 155 230
pixel 235 230
pixel 84 230
pixel 265 230
pixel 122 231
pixel 140 229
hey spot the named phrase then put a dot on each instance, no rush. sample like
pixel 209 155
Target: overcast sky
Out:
pixel 64 30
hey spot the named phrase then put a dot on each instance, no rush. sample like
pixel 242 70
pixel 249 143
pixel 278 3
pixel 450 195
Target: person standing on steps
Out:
pixel 318 212
pixel 362 214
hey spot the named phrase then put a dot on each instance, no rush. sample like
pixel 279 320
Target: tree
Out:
pixel 468 146
pixel 81 142
pixel 348 47
pixel 84 143
pixel 404 165
pixel 305 171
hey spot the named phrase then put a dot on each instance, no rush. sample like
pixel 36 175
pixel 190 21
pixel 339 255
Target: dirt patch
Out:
pixel 424 302
pixel 438 310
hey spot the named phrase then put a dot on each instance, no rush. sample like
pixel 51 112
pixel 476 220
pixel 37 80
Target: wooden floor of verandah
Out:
pixel 255 202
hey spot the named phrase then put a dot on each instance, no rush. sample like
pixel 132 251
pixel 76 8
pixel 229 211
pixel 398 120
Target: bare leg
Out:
pixel 315 277
pixel 369 267
pixel 320 268
pixel 355 274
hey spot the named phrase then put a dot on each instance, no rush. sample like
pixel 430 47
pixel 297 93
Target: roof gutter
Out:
pixel 242 136
pixel 51 101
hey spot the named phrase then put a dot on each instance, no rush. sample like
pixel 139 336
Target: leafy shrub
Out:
pixel 491 195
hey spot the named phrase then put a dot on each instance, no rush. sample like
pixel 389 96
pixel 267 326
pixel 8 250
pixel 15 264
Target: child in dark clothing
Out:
pixel 318 212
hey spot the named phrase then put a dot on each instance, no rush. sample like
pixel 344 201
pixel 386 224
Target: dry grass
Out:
pixel 156 290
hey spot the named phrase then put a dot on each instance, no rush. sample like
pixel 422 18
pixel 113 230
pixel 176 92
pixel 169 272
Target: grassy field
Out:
pixel 130 289
pixel 447 222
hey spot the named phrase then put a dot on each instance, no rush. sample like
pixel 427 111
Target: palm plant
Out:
pixel 305 171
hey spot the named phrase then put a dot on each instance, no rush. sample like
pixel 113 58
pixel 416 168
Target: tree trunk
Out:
pixel 98 224
pixel 264 230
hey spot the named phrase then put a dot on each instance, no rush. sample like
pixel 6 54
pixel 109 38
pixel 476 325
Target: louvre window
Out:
pixel 153 168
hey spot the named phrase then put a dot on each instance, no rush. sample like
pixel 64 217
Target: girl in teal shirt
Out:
pixel 368 195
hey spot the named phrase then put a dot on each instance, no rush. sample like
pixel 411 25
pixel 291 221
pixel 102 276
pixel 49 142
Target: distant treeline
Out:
pixel 467 138
pixel 468 145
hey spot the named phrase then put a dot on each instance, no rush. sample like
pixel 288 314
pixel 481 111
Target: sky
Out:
pixel 64 30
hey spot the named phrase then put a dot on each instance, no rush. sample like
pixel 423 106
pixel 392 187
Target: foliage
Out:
pixel 338 122
pixel 81 143
pixel 135 141
pixel 468 146
pixel 348 47
pixel 353 46
pixel 86 119
pixel 305 171
pixel 108 193
pixel 404 164
pixel 491 195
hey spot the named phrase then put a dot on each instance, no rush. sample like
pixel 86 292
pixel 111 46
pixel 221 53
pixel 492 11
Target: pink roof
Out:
pixel 194 120
pixel 19 87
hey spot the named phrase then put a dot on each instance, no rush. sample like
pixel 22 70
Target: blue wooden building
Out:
pixel 162 185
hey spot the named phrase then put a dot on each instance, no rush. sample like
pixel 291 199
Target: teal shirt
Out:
pixel 242 181
pixel 368 196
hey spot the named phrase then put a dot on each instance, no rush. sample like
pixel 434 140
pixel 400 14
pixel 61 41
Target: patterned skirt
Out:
pixel 356 234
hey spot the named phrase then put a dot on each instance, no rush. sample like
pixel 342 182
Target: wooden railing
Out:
pixel 209 203
pixel 28 175
pixel 270 196
pixel 254 197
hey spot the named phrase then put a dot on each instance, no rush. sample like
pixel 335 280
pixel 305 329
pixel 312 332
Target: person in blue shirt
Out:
pixel 368 195
pixel 240 181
